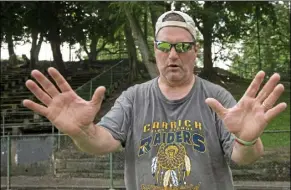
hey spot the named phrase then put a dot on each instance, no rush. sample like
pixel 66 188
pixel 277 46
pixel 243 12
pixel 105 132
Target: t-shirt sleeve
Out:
pixel 226 138
pixel 118 120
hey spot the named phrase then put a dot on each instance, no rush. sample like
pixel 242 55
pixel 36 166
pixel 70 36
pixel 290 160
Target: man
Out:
pixel 178 130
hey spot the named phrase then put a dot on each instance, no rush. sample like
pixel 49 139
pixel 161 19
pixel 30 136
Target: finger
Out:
pixel 38 92
pixel 217 107
pixel 272 113
pixel 40 109
pixel 268 88
pixel 59 79
pixel 46 84
pixel 274 96
pixel 255 85
pixel 98 95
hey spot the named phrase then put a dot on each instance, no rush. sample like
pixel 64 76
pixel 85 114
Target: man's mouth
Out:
pixel 173 66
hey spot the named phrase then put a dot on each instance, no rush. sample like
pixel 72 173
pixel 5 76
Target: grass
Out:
pixel 281 122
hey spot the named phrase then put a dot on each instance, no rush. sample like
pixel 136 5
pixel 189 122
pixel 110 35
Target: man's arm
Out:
pixel 97 140
pixel 110 133
pixel 73 115
pixel 243 155
pixel 251 115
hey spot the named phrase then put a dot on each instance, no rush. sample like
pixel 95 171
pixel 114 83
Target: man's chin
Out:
pixel 175 78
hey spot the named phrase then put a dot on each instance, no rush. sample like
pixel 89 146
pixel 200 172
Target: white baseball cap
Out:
pixel 188 24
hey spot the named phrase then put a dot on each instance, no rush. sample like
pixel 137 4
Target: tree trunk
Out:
pixel 87 64
pixel 144 50
pixel 55 42
pixel 34 34
pixel 208 65
pixel 131 53
pixel 57 55
pixel 145 24
pixel 38 47
pixel 178 5
pixel 258 36
pixel 154 17
pixel 207 36
pixel 10 44
pixel 35 48
pixel 167 6
pixel 55 39
pixel 93 49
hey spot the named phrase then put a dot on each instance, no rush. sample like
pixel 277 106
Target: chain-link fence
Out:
pixel 45 158
pixel 53 160
pixel 41 158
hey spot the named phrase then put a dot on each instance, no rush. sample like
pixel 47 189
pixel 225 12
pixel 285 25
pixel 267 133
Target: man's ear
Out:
pixel 196 47
pixel 155 46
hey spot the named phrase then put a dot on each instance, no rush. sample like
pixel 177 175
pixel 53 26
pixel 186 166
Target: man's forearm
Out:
pixel 96 140
pixel 243 155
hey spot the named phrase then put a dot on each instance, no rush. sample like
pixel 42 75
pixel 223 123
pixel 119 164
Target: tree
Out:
pixel 34 28
pixel 222 22
pixel 273 49
pixel 131 49
pixel 95 27
pixel 11 24
pixel 54 23
pixel 132 10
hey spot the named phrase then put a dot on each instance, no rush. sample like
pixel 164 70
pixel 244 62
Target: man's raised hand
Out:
pixel 62 106
pixel 250 116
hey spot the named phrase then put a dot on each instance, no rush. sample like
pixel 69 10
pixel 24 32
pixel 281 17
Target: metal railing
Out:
pixel 19 151
pixel 51 156
pixel 44 156
pixel 110 78
pixel 107 78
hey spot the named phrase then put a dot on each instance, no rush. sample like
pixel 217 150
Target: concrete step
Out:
pixel 49 183
pixel 77 166
pixel 105 174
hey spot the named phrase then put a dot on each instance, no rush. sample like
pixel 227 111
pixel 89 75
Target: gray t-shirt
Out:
pixel 180 144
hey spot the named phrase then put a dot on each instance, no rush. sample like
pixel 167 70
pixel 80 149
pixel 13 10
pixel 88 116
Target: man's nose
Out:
pixel 173 54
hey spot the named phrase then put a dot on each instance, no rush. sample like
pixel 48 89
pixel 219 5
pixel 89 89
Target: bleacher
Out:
pixel 13 91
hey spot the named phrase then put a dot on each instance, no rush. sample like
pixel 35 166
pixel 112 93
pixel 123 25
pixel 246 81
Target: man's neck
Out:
pixel 175 91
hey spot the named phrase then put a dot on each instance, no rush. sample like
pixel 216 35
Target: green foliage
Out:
pixel 104 22
pixel 273 40
pixel 11 20
pixel 95 21
pixel 223 23
pixel 228 20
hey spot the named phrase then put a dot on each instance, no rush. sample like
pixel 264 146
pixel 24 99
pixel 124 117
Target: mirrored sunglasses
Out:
pixel 180 47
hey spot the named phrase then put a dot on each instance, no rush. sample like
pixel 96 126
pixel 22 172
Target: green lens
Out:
pixel 183 47
pixel 164 46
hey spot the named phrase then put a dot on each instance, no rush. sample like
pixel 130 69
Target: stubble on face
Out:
pixel 175 68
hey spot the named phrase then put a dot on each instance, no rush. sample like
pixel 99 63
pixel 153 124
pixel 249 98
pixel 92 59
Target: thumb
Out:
pixel 98 95
pixel 216 106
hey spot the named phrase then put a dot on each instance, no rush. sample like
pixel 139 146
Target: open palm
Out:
pixel 66 110
pixel 250 116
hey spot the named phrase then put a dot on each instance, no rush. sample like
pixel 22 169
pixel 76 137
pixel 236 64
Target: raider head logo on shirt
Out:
pixel 170 168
